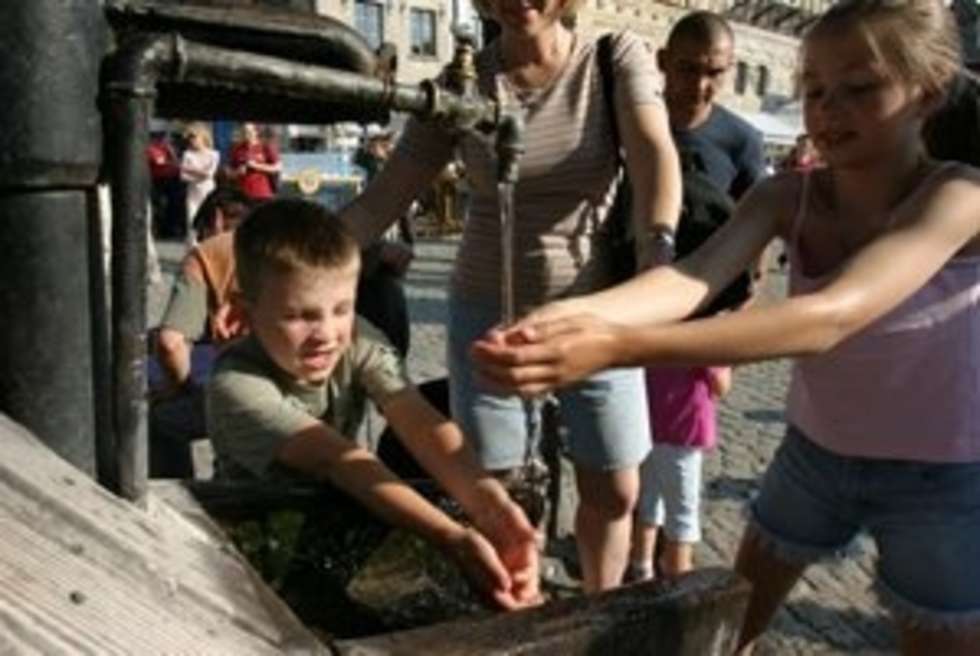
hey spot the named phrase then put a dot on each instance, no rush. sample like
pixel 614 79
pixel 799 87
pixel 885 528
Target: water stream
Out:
pixel 533 473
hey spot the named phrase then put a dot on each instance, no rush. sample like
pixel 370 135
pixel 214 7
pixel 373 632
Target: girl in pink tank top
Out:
pixel 883 319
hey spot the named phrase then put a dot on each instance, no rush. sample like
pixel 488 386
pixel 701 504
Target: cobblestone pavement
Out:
pixel 831 611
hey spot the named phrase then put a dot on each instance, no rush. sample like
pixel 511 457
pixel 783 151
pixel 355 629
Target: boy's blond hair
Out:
pixel 916 40
pixel 284 235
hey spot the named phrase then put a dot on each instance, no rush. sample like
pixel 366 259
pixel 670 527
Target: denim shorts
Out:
pixel 923 517
pixel 670 491
pixel 606 417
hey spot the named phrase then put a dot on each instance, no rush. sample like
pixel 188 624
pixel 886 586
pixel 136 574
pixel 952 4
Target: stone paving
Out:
pixel 831 611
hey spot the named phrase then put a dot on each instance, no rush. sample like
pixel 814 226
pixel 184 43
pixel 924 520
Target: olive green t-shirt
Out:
pixel 253 406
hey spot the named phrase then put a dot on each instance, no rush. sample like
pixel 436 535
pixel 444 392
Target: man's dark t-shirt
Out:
pixel 730 150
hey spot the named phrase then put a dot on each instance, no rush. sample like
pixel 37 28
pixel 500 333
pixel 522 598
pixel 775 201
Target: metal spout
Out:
pixel 508 123
pixel 509 145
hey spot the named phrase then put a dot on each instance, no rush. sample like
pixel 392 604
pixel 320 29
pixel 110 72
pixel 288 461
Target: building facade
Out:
pixel 766 38
pixel 420 30
pixel 422 33
pixel 762 81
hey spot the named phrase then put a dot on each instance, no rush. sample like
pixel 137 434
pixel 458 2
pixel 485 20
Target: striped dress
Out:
pixel 567 175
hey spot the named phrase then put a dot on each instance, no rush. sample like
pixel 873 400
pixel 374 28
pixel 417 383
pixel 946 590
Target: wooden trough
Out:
pixel 82 571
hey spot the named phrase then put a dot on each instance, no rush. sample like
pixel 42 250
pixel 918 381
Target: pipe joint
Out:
pixel 133 70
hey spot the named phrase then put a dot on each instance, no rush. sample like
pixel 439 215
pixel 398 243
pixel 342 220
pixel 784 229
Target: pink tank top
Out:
pixel 906 387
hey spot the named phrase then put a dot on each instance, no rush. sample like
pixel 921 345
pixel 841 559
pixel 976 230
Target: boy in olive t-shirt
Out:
pixel 285 400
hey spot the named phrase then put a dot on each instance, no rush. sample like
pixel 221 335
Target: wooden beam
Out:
pixel 697 614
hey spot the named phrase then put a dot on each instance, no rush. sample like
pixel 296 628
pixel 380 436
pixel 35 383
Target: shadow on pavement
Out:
pixel 766 416
pixel 849 630
pixel 730 487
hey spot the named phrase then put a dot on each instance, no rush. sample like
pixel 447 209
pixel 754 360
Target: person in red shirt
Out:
pixel 167 203
pixel 255 162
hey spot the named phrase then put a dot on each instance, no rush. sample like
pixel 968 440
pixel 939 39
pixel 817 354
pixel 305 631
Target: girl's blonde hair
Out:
pixel 916 40
pixel 201 130
pixel 569 12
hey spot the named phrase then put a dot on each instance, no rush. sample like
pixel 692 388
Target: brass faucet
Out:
pixel 486 116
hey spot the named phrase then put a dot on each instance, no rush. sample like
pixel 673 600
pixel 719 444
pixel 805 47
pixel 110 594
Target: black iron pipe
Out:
pixel 130 83
pixel 176 60
pixel 205 64
pixel 45 349
pixel 49 161
pixel 306 38
pixel 49 77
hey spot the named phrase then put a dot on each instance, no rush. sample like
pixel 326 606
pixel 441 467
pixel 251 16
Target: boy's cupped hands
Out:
pixel 500 552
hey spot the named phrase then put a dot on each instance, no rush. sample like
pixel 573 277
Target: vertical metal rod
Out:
pixel 129 116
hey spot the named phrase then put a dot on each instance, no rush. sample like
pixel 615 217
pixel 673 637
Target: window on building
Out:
pixel 369 20
pixel 423 26
pixel 741 77
pixel 762 82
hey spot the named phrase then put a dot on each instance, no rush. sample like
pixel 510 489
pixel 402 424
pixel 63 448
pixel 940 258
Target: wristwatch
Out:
pixel 662 246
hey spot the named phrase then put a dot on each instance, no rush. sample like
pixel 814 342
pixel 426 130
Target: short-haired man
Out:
pixel 695 63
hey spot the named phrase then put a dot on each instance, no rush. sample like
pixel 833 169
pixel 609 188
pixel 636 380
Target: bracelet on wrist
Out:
pixel 661 249
pixel 663 239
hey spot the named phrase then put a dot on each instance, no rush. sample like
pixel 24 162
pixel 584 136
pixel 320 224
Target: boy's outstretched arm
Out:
pixel 321 452
pixel 438 445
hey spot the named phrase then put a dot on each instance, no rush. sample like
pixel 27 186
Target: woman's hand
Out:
pixel 535 357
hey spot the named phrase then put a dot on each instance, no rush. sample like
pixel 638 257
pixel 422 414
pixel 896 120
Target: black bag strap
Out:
pixel 608 81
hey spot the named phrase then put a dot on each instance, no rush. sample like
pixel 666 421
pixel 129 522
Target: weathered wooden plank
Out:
pixel 83 572
pixel 696 615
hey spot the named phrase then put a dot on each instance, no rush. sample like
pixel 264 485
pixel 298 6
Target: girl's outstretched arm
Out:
pixel 666 293
pixel 927 232
pixel 669 293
